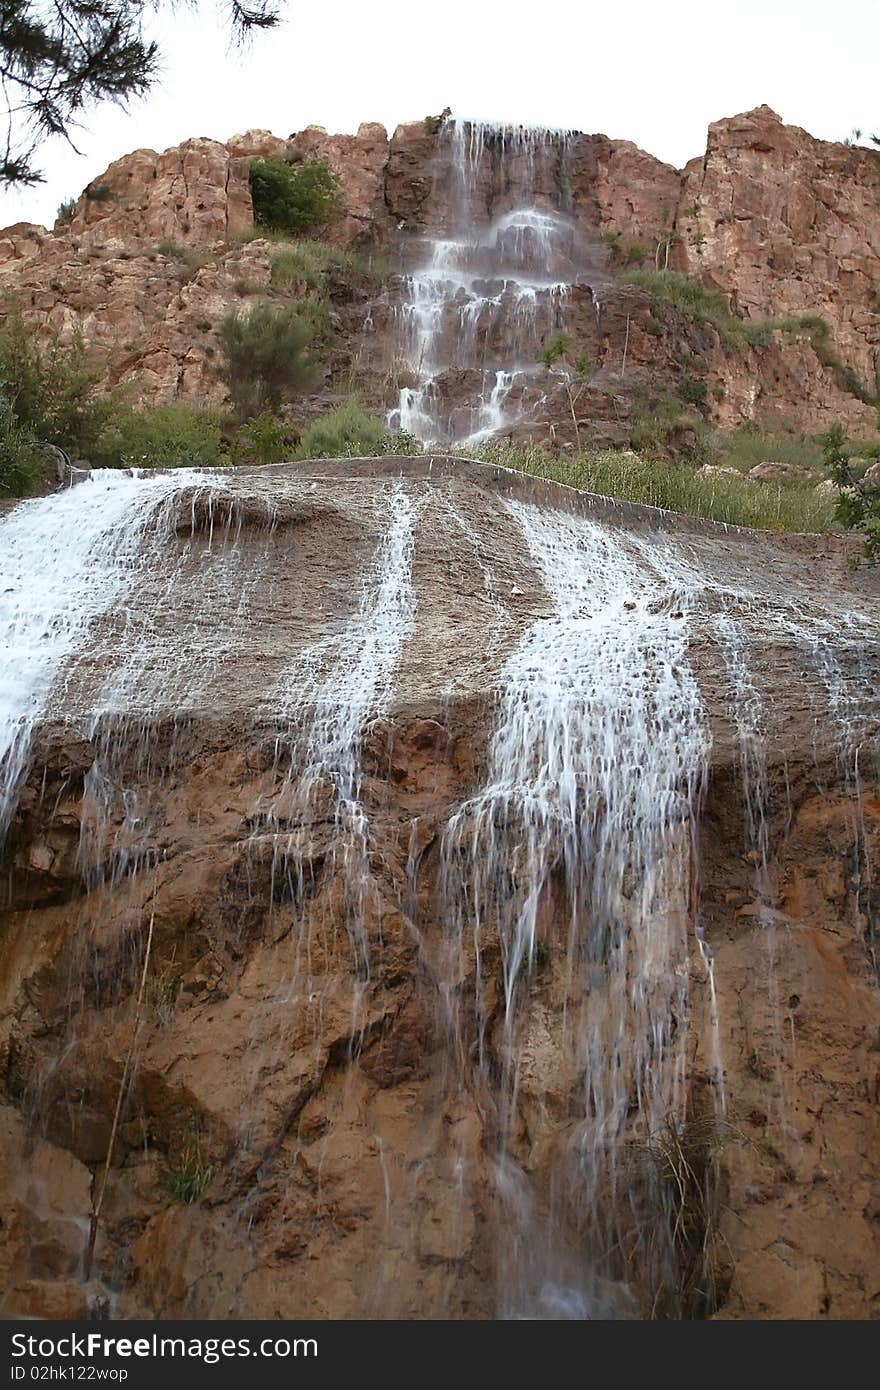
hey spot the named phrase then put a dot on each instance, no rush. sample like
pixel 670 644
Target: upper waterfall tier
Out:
pixel 487 297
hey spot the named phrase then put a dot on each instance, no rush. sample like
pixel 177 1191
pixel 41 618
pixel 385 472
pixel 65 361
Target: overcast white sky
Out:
pixel 642 70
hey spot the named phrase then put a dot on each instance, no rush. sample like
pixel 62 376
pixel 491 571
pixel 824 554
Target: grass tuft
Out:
pixel 676 487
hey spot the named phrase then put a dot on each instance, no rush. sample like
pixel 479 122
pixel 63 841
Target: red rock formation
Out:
pixel 782 223
pixel 785 224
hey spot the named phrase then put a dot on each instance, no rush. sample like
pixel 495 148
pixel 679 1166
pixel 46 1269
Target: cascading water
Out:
pixel 596 770
pixel 62 564
pixel 480 302
pixel 331 693
pixel 454 935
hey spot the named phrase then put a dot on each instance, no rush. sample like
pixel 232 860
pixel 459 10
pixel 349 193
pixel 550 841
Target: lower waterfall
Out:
pixel 484 881
pixel 596 771
pixel 64 561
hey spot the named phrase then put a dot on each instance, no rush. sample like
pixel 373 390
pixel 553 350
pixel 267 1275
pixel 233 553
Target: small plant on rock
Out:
pixel 190 1175
pixel 555 349
pixel 266 439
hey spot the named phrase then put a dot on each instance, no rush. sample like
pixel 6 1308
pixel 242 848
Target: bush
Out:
pixel 20 461
pixel 165 436
pixel 50 389
pixel 858 502
pixel 189 1177
pixel 749 445
pixel 64 215
pixel 346 431
pixel 264 357
pixel 266 439
pixel 555 349
pixel 294 198
pixel 190 260
pixel 349 431
pixel 694 299
pixel 311 261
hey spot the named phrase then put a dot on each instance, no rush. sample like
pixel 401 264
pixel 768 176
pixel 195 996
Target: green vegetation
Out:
pixel 164 436
pixel 348 430
pixel 265 439
pixel 264 357
pixel 555 349
pixel 312 261
pixel 66 209
pixel 676 487
pixel 693 299
pixel 50 387
pixel 294 198
pixel 708 306
pixel 20 460
pixel 858 502
pixel 626 254
pixel 189 1177
pixel 47 396
pixel 748 446
pixel 190 259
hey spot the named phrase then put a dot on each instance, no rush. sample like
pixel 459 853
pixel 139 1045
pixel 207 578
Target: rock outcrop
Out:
pixel 314 1121
pixel 783 224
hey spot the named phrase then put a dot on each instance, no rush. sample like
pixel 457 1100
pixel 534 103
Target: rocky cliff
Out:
pixel 417 1030
pixel 782 224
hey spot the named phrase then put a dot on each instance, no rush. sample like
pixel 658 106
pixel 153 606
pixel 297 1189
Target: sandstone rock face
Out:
pixel 359 161
pixel 786 224
pixel 196 194
pixel 324 1062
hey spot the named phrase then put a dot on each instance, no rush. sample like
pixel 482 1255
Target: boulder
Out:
pixel 774 472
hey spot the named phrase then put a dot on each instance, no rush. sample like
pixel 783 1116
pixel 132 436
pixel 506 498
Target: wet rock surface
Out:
pixel 320 1055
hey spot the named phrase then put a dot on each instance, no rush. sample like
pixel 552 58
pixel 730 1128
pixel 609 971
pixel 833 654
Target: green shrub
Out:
pixel 264 357
pixel 20 461
pixel 66 210
pixel 311 261
pixel 708 306
pixel 747 446
pixel 691 298
pixel 294 198
pixel 265 438
pixel 693 391
pixel 555 349
pixel 585 366
pixel 165 436
pixel 189 1177
pixel 858 502
pixel 50 389
pixel 190 259
pixel 346 431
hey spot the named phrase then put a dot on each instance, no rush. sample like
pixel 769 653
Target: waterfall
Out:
pixel 448 808
pixel 480 301
pixel 312 828
pixel 64 561
pixel 596 770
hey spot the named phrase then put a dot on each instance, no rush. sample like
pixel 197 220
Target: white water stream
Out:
pixel 64 560
pixel 483 299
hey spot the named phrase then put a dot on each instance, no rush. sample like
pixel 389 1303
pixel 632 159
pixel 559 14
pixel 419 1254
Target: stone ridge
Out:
pixel 782 223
